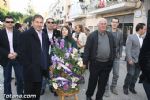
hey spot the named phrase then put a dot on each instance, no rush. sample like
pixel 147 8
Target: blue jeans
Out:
pixel 115 74
pixel 7 77
pixel 133 71
pixel 146 86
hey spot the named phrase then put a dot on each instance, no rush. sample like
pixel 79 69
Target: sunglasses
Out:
pixel 9 21
pixel 50 22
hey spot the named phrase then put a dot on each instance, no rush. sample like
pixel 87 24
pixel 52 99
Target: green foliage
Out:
pixel 3 13
pixel 28 19
pixel 17 16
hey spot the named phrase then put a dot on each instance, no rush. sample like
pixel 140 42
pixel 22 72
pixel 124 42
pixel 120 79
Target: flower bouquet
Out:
pixel 67 67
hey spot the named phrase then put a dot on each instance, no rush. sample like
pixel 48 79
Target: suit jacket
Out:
pixel 56 33
pixel 4 45
pixel 144 59
pixel 30 55
pixel 90 50
pixel 132 48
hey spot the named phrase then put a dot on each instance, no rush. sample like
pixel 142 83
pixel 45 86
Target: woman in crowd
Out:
pixel 66 35
pixel 80 38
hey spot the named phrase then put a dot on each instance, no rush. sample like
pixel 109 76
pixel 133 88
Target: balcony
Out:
pixel 111 6
pixel 78 10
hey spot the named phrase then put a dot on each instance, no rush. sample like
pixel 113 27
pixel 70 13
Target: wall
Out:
pixel 140 15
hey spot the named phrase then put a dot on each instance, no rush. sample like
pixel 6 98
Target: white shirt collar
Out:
pixel 7 31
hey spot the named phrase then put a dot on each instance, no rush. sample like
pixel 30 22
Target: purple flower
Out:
pixel 70 50
pixel 54 59
pixel 67 55
pixel 62 43
pixel 66 87
pixel 56 42
pixel 51 42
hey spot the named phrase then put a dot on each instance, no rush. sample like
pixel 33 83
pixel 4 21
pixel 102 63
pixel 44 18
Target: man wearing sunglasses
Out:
pixel 52 33
pixel 9 56
pixel 49 29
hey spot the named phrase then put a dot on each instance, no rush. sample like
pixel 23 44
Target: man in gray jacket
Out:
pixel 118 39
pixel 133 45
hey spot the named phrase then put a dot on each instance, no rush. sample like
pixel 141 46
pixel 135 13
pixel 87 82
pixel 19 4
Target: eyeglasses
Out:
pixel 9 21
pixel 50 22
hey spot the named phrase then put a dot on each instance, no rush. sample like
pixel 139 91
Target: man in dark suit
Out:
pixel 99 52
pixel 34 57
pixel 52 33
pixel 144 62
pixel 49 29
pixel 9 56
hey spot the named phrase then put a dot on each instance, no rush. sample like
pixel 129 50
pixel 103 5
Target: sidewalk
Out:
pixel 49 96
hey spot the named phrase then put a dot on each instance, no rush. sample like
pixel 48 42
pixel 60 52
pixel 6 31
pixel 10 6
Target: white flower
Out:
pixel 55 85
pixel 80 63
pixel 80 59
pixel 75 51
pixel 72 55
pixel 59 67
pixel 74 79
pixel 61 60
pixel 73 85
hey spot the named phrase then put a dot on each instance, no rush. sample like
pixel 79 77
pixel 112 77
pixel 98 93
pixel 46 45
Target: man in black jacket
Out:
pixel 99 51
pixel 49 29
pixel 34 57
pixel 52 33
pixel 9 56
pixel 144 62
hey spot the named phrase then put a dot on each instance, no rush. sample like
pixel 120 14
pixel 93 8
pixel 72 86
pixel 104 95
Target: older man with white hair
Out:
pixel 99 52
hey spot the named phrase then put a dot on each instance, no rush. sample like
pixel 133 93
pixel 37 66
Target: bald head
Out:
pixel 102 25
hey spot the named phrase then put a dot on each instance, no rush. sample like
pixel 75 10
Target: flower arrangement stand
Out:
pixel 62 94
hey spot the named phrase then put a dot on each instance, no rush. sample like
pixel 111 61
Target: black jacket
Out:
pixel 4 45
pixel 56 33
pixel 90 50
pixel 144 59
pixel 30 55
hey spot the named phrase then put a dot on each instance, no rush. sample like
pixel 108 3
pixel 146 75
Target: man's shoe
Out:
pixel 114 90
pixel 107 94
pixel 42 92
pixel 88 98
pixel 132 90
pixel 125 91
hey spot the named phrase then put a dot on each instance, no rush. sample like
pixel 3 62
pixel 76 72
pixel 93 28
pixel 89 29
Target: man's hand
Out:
pixel 130 62
pixel 15 54
pixel 10 56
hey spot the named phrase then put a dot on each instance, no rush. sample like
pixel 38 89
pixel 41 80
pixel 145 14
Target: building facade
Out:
pixel 88 12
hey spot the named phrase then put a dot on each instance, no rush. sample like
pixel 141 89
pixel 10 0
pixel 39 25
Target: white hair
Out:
pixel 102 20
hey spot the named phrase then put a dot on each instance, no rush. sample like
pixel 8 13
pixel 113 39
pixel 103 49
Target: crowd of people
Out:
pixel 29 51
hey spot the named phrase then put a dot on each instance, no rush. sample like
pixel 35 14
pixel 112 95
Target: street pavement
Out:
pixel 49 96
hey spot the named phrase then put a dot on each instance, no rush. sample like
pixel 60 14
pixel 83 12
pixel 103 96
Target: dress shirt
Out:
pixel 40 37
pixel 140 39
pixel 50 34
pixel 10 39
